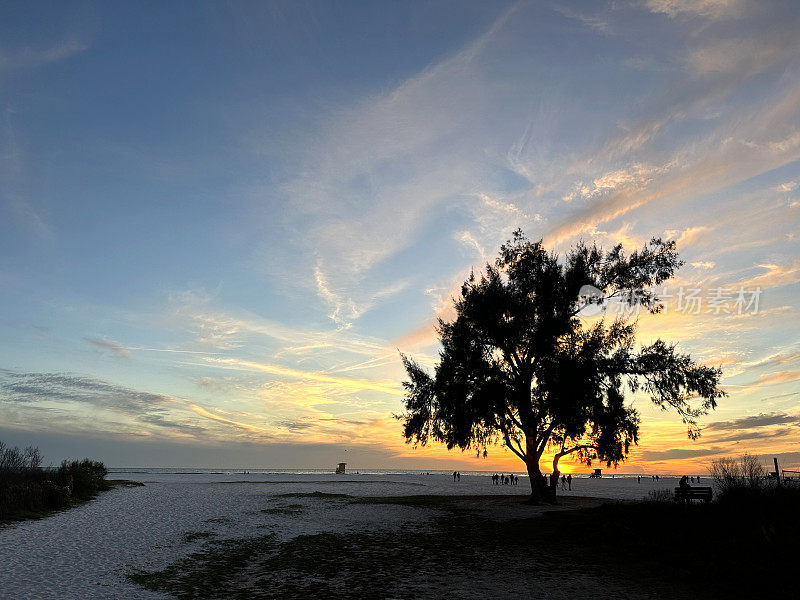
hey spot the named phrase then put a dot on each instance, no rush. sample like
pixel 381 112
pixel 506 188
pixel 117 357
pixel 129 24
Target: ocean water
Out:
pixel 118 472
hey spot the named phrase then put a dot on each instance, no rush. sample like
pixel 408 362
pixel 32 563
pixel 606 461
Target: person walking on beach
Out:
pixel 458 474
pixel 563 482
pixel 569 481
pixel 454 475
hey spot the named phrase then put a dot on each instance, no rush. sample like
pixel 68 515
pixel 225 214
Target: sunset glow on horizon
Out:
pixel 220 224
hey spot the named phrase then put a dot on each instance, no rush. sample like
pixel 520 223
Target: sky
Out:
pixel 220 223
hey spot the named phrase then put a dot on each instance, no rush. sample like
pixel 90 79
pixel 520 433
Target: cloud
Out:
pixel 743 56
pixel 342 383
pixel 592 21
pixel 32 57
pixel 775 276
pixel 214 417
pixel 114 348
pixel 680 453
pixel 754 421
pixel 226 330
pixel 687 236
pixel 787 186
pixel 725 157
pixel 711 9
pixel 637 176
pixel 377 170
pixel 769 434
pixel 776 378
pixel 706 264
pixel 144 407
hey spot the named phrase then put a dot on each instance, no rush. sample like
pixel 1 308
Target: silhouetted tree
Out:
pixel 519 366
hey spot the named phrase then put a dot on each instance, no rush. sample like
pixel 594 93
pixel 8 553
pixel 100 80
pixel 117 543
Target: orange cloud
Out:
pixel 344 383
pixel 209 415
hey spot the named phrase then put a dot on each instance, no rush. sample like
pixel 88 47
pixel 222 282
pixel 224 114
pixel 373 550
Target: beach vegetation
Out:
pixel 744 483
pixel 29 490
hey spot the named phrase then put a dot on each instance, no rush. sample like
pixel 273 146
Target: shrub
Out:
pixel 740 478
pixel 662 495
pixel 83 478
pixel 27 488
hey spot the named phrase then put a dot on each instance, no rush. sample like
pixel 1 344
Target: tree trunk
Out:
pixel 556 474
pixel 540 492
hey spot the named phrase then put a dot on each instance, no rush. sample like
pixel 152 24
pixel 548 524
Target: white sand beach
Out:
pixel 87 551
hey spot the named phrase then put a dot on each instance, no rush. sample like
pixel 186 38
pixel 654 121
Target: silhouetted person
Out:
pixel 454 475
pixel 563 482
pixel 684 483
pixel 569 481
pixel 458 474
pixel 656 477
pixel 698 479
pixel 692 478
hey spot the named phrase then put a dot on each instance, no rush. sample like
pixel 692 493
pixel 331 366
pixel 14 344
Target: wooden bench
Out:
pixel 693 493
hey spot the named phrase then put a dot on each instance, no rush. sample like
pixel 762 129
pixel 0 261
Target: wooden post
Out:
pixel 777 472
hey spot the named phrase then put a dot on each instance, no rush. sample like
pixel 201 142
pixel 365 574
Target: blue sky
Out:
pixel 219 222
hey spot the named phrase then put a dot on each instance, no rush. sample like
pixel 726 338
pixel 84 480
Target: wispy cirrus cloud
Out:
pixel 220 419
pixel 32 389
pixel 114 348
pixel 29 57
pixel 727 157
pixel 712 9
pixel 774 276
pixel 775 378
pixel 344 383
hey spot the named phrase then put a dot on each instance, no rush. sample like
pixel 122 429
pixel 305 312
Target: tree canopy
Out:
pixel 519 366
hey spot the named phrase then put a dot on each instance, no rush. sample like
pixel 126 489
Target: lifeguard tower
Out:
pixel 340 468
